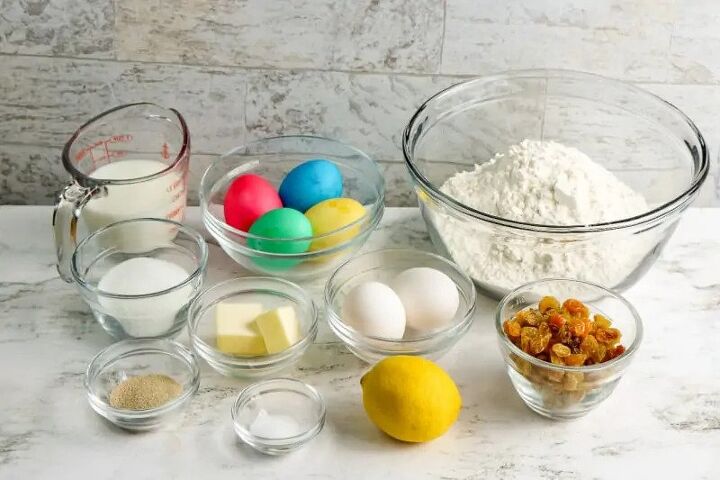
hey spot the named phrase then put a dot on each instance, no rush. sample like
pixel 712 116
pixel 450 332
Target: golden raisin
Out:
pixel 561 350
pixel 589 345
pixel 533 318
pixel 571 382
pixel 539 343
pixel 555 358
pixel 556 320
pixel 598 356
pixel 575 359
pixel 526 336
pixel 608 335
pixel 521 317
pixel 512 328
pixel 547 303
pixel 577 328
pixel 575 308
pixel 601 321
pixel 614 352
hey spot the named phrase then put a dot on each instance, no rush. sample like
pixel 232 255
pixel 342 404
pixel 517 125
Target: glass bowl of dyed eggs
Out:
pixel 253 326
pixel 294 206
pixel 399 302
pixel 137 384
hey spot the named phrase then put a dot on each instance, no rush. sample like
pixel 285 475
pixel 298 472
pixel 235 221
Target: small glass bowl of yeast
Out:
pixel 134 358
pixel 263 294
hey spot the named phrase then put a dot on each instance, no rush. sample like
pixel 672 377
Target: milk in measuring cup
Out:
pixel 162 197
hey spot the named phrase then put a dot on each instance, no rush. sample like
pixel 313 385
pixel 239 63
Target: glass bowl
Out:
pixel 152 314
pixel 279 415
pixel 563 392
pixel 383 266
pixel 128 358
pixel 270 292
pixel 273 158
pixel 646 142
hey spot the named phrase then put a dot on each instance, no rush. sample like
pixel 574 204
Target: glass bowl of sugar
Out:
pixel 140 289
pixel 278 416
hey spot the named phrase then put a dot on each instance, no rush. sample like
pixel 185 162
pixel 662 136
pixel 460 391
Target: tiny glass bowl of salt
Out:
pixel 550 173
pixel 140 288
pixel 363 322
pixel 278 416
pixel 234 343
pixel 554 389
pixel 137 384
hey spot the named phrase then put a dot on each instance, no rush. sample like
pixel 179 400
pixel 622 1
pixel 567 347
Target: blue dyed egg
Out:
pixel 310 183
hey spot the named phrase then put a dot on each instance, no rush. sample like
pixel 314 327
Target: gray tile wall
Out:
pixel 354 70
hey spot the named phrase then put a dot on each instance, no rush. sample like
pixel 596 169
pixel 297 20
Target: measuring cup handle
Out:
pixel 65 218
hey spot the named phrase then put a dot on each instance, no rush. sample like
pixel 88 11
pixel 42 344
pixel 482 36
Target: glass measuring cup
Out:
pixel 128 162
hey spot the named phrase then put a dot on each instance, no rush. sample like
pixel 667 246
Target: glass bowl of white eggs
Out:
pixel 399 302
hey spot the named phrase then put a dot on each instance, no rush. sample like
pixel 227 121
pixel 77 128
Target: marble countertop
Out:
pixel 663 421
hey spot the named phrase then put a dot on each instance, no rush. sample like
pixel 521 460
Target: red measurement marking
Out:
pixel 165 153
pixel 176 184
pixel 175 212
pixel 83 152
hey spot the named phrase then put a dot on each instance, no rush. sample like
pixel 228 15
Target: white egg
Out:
pixel 429 296
pixel 372 308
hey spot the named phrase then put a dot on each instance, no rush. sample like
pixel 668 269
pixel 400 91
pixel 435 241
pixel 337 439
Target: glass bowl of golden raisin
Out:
pixel 566 344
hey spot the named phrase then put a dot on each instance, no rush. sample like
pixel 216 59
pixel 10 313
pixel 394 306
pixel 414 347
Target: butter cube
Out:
pixel 237 333
pixel 279 328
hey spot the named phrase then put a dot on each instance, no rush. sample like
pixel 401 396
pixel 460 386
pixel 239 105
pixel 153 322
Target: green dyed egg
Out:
pixel 282 224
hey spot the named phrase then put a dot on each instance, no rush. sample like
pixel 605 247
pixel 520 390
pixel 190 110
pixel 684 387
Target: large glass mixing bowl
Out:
pixel 645 141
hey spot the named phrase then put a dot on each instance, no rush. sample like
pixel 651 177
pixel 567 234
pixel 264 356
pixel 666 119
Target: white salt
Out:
pixel 151 316
pixel 274 426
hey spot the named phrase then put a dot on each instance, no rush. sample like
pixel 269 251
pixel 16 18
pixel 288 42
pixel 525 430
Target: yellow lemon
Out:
pixel 334 214
pixel 410 398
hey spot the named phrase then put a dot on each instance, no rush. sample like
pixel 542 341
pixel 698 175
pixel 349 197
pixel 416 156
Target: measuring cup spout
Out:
pixel 65 219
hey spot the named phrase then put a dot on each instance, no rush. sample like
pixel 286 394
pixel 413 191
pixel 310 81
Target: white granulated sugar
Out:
pixel 544 183
pixel 145 316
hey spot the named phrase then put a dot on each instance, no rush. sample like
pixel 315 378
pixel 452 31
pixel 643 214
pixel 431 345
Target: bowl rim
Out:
pixel 139 346
pixel 200 269
pixel 658 212
pixel 274 385
pixel 173 116
pixel 368 220
pixel 344 330
pixel 626 356
pixel 207 351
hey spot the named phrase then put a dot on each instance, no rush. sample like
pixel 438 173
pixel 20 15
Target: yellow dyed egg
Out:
pixel 333 214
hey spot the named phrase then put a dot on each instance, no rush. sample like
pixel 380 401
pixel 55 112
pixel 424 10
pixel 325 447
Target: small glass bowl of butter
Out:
pixel 278 416
pixel 252 327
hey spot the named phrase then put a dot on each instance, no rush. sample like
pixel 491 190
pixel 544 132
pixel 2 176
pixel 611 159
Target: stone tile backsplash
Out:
pixel 354 70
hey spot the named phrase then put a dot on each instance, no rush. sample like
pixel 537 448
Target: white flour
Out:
pixel 550 184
